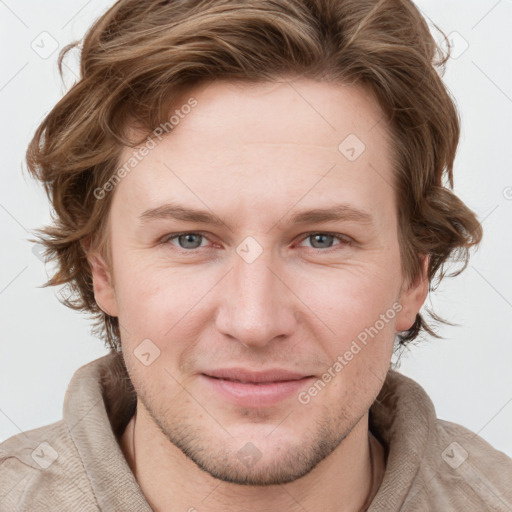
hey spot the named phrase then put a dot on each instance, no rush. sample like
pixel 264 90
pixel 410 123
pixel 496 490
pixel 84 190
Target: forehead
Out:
pixel 266 146
pixel 300 111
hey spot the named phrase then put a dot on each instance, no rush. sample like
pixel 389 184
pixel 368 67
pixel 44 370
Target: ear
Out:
pixel 103 285
pixel 413 297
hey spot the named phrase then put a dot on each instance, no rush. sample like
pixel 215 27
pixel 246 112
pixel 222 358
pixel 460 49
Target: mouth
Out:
pixel 255 377
pixel 262 389
pixel 254 382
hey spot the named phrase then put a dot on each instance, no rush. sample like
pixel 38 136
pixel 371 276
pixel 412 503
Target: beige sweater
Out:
pixel 76 464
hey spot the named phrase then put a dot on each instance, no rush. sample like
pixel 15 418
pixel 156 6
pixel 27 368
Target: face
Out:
pixel 257 335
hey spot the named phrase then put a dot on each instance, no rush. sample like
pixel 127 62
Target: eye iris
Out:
pixel 187 240
pixel 321 236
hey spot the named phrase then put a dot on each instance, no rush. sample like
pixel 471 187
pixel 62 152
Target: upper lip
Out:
pixel 243 375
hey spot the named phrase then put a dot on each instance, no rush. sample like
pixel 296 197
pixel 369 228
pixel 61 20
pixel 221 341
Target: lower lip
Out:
pixel 256 395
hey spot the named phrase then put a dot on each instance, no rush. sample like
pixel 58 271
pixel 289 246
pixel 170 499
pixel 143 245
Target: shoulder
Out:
pixel 41 469
pixel 462 471
pixel 434 464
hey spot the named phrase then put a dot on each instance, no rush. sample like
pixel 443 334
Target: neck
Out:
pixel 345 481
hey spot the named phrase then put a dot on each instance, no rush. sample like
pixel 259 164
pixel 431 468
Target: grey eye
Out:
pixel 187 241
pixel 324 240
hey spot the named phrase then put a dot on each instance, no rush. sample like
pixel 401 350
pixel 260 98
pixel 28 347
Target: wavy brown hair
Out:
pixel 138 58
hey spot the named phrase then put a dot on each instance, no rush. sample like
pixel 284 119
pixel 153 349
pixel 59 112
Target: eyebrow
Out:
pixel 336 212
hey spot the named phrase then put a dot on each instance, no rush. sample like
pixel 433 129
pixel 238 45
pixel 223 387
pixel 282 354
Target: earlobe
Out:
pixel 103 287
pixel 413 298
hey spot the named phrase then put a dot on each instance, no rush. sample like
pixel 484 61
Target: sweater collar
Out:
pixel 100 401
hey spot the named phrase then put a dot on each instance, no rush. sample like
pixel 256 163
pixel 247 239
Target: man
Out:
pixel 250 202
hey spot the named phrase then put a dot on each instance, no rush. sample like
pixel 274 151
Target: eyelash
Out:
pixel 344 239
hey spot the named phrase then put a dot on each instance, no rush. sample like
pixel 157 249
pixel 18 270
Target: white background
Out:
pixel 468 375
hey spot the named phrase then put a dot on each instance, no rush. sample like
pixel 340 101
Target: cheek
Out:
pixel 360 307
pixel 353 300
pixel 155 301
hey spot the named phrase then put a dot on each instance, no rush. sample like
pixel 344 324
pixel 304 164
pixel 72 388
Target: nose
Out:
pixel 256 304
